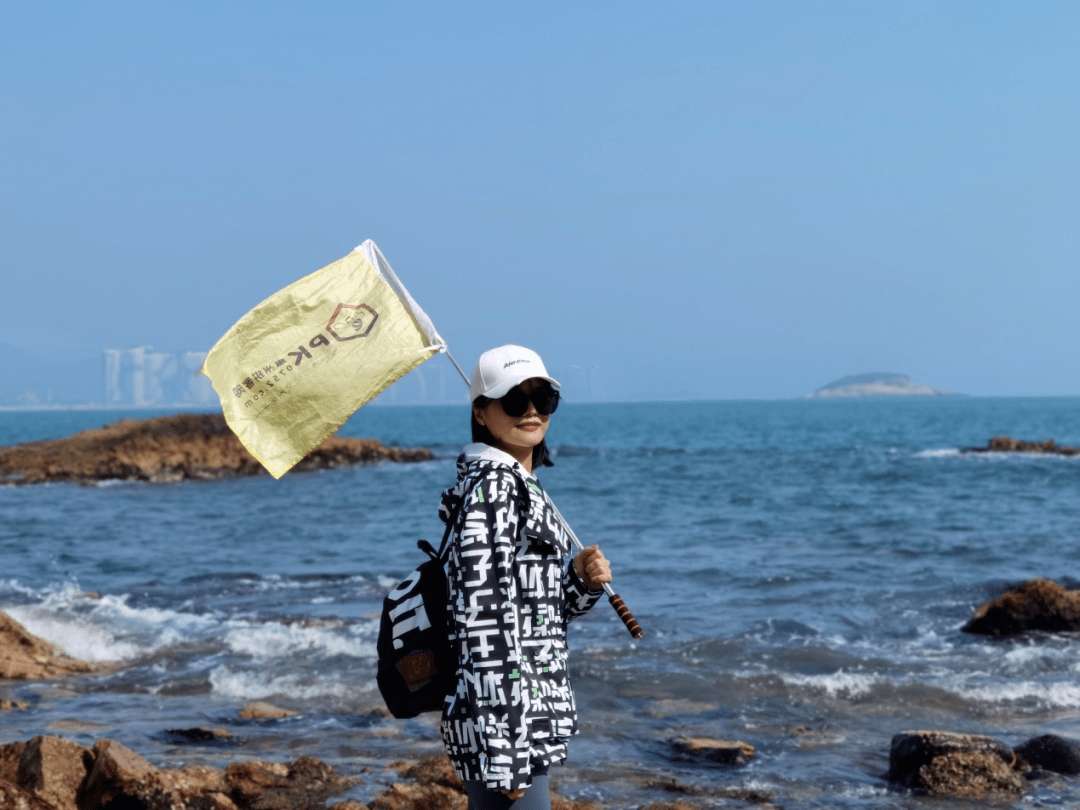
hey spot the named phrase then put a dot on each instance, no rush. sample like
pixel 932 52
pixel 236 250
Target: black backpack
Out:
pixel 416 664
pixel 416 667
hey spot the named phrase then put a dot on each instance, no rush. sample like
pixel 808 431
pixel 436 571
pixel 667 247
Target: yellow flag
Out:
pixel 295 368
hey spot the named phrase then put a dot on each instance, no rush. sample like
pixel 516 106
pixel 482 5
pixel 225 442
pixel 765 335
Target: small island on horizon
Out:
pixel 876 384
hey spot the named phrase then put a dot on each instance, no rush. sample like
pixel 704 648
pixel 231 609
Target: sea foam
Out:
pixel 257 684
pixel 106 628
pixel 276 640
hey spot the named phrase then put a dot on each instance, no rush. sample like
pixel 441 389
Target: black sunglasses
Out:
pixel 516 402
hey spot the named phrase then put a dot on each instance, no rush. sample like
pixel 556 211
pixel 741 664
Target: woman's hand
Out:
pixel 513 794
pixel 592 567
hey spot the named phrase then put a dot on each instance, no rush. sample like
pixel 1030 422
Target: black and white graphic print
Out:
pixel 512 592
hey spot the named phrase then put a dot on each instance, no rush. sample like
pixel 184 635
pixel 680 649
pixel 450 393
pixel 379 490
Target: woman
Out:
pixel 511 594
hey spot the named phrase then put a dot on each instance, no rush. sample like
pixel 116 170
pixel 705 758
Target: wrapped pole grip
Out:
pixel 625 614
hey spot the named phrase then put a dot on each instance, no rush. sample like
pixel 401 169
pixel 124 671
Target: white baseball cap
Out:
pixel 501 369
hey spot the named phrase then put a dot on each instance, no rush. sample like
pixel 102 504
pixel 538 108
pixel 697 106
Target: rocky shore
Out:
pixel 26 657
pixel 56 773
pixel 169 449
pixel 1035 605
pixel 53 773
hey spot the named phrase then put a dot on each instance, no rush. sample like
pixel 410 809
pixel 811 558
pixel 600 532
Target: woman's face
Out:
pixel 516 435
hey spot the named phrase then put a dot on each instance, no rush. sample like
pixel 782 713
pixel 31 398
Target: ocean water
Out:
pixel 801 571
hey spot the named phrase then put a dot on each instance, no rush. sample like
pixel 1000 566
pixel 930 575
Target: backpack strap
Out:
pixel 427 548
pixel 443 554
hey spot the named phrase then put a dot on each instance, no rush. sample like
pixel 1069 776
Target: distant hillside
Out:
pixel 876 385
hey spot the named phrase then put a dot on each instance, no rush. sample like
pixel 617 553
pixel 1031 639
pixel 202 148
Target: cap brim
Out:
pixel 504 388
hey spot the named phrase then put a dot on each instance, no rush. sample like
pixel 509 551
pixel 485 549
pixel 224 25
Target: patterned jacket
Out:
pixel 511 593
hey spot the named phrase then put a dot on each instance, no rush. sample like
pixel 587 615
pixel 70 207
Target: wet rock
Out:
pixel 434 784
pixel 12 797
pixel 305 784
pixel 9 763
pixel 199 735
pixel 258 710
pixel 121 778
pixel 51 773
pixel 419 796
pixel 117 772
pixel 1007 444
pixel 11 794
pixel 24 656
pixel 1038 604
pixel 43 774
pixel 435 770
pixel 52 769
pixel 249 779
pixel 200 786
pixel 974 775
pixel 910 750
pixel 169 449
pixel 1051 753
pixel 562 803
pixel 724 752
pixel 942 763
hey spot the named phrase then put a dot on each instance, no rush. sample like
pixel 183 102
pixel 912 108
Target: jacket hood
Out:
pixel 475 460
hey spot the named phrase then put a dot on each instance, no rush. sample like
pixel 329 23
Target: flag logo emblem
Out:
pixel 351 321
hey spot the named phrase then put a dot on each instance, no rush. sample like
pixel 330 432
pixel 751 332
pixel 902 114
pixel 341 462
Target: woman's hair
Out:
pixel 480 433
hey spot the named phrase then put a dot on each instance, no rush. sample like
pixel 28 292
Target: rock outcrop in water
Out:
pixel 168 449
pixel 1038 604
pixel 27 657
pixel 1007 444
pixel 875 385
pixel 1051 754
pixel 721 752
pixel 942 763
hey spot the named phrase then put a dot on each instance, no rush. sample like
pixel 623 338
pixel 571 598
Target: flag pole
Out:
pixel 613 598
pixel 459 371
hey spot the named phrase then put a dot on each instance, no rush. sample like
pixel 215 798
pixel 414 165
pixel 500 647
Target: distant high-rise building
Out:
pixel 113 363
pixel 142 378
pixel 138 375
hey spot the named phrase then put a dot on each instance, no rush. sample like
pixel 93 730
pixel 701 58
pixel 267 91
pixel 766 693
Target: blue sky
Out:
pixel 699 200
